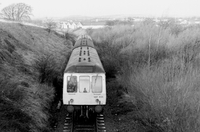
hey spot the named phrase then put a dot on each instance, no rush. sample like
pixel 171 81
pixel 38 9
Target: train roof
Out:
pixel 84 37
pixel 84 59
pixel 84 41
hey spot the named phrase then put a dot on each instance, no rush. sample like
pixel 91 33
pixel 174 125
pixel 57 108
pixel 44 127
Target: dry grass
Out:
pixel 166 100
pixel 31 63
pixel 158 71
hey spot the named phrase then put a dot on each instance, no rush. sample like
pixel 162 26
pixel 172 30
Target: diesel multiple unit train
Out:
pixel 84 85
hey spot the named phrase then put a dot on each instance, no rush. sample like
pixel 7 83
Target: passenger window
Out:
pixel 72 84
pixel 84 83
pixel 97 84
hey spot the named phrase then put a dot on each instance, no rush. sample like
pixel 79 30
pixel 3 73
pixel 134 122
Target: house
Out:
pixel 70 25
pixel 79 24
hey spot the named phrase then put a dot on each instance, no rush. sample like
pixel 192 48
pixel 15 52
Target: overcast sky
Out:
pixel 157 8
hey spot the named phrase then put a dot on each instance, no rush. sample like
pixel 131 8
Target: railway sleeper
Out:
pixel 100 123
pixel 68 124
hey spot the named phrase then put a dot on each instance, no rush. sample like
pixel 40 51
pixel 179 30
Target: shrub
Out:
pixel 27 76
pixel 169 104
pixel 157 70
pixel 47 69
pixel 24 104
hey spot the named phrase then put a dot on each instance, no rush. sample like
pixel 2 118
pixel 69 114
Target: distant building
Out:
pixel 79 24
pixel 70 25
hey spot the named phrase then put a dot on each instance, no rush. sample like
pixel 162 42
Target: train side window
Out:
pixel 72 84
pixel 96 84
pixel 84 84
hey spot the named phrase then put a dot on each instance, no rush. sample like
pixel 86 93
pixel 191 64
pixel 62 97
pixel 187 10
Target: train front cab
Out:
pixel 84 90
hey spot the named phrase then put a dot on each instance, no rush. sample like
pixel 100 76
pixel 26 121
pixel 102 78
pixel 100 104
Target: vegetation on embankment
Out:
pixel 157 73
pixel 31 64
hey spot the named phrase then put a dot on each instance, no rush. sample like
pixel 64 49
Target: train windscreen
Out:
pixel 97 84
pixel 72 84
pixel 84 84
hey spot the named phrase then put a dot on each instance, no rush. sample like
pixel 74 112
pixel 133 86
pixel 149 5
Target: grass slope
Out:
pixel 31 63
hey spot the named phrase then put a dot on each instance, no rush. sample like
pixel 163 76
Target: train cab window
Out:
pixel 84 82
pixel 72 84
pixel 96 84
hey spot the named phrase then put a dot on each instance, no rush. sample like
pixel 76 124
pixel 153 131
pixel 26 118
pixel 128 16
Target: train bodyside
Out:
pixel 84 78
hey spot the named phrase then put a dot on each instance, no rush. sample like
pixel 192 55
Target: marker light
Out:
pixel 71 101
pixel 98 101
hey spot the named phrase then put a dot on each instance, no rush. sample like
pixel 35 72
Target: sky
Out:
pixel 155 8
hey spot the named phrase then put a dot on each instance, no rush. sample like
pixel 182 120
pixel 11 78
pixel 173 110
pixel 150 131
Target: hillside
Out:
pixel 31 64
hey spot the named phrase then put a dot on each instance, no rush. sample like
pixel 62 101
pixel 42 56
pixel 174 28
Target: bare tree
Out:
pixel 17 12
pixel 50 25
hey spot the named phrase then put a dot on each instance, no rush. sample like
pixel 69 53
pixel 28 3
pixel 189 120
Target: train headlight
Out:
pixel 98 108
pixel 70 108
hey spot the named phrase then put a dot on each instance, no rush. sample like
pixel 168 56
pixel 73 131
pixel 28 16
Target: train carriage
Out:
pixel 84 87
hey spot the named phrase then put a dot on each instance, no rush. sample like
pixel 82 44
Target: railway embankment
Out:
pixel 152 71
pixel 155 76
pixel 31 64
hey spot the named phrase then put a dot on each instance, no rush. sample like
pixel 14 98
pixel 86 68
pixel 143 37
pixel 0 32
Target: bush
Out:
pixel 46 67
pixel 24 104
pixel 168 104
pixel 109 56
pixel 26 81
pixel 157 70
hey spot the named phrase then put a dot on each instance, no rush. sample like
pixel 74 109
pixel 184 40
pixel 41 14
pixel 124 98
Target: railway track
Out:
pixel 72 124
